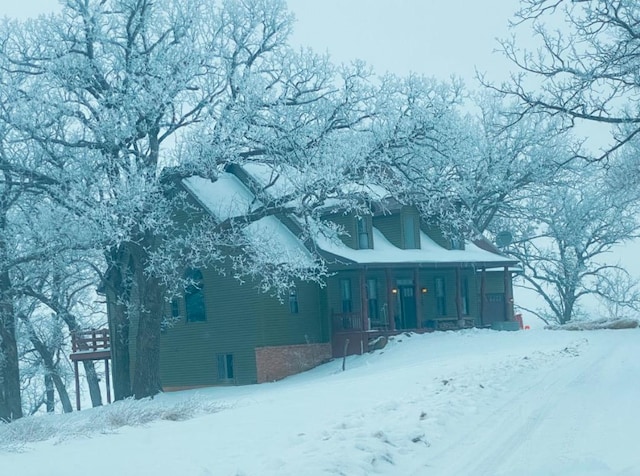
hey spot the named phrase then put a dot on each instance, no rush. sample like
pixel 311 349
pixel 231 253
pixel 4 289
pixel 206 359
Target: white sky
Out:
pixel 435 38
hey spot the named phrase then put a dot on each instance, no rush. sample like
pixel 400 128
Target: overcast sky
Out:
pixel 433 37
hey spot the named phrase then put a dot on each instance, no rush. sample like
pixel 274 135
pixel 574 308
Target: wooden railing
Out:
pixel 347 321
pixel 96 340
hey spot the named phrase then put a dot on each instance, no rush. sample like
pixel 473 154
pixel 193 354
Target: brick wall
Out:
pixel 275 363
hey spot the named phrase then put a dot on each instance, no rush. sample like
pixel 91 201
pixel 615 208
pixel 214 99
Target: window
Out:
pixel 194 297
pixel 345 294
pixel 465 296
pixel 364 241
pixel 293 301
pixel 457 243
pixel 441 297
pixel 372 298
pixel 409 229
pixel 175 308
pixel 225 367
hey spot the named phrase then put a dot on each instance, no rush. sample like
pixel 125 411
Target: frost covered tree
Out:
pixel 115 91
pixel 586 66
pixel 564 240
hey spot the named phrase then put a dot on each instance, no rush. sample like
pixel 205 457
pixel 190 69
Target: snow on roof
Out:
pixel 287 180
pixel 280 184
pixel 277 241
pixel 430 252
pixel 227 197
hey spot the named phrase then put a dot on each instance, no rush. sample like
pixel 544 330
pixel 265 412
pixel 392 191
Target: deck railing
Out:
pixel 95 340
pixel 347 321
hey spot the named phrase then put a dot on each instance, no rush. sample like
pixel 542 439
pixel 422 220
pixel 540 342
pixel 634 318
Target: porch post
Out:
pixel 416 296
pixel 458 295
pixel 508 314
pixel 364 301
pixel 391 304
pixel 483 284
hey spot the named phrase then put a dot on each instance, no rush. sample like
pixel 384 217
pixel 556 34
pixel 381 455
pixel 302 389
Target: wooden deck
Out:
pixel 94 344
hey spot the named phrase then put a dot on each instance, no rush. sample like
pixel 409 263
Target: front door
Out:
pixel 407 306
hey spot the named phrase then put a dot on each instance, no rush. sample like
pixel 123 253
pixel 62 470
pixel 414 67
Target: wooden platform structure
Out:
pixel 91 345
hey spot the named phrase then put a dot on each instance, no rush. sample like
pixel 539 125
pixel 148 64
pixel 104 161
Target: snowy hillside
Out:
pixel 465 403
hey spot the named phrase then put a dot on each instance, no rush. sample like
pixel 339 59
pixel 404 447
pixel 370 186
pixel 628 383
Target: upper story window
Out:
pixel 409 232
pixel 457 243
pixel 194 296
pixel 364 238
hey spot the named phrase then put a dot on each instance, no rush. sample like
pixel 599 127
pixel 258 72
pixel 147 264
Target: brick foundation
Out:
pixel 275 363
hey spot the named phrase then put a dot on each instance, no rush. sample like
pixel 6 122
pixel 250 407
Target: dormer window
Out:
pixel 409 232
pixel 364 238
pixel 457 243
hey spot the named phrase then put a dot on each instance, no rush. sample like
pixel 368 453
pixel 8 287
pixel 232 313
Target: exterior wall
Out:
pixel 275 363
pixel 391 227
pixel 347 222
pixel 238 320
pixel 435 233
pixel 494 289
pixel 426 306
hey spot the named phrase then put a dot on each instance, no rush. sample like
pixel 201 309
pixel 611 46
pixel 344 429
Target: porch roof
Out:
pixel 429 254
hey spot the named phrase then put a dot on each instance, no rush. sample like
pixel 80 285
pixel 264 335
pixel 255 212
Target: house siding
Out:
pixel 436 234
pixel 239 319
pixel 391 227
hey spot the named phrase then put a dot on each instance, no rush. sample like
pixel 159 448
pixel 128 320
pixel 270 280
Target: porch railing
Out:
pixel 347 321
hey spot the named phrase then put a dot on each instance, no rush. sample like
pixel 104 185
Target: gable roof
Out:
pixel 228 196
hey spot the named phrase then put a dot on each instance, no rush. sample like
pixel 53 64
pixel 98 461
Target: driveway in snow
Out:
pixel 579 417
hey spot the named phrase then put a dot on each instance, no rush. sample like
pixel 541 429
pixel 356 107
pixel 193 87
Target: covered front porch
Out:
pixel 373 301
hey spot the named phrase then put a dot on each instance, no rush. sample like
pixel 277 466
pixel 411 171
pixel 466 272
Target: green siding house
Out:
pixel 391 272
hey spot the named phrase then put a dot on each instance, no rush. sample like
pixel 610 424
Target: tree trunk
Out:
pixel 50 366
pixel 61 388
pixel 50 394
pixel 119 318
pixel 93 382
pixel 10 398
pixel 146 382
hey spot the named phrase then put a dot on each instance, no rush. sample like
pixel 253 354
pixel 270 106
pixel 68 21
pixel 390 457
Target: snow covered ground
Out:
pixel 474 402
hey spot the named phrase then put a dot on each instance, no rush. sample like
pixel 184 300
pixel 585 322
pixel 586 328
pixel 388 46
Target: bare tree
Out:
pixel 586 66
pixel 564 240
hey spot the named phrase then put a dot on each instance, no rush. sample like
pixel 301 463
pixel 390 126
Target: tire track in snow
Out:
pixel 580 418
pixel 497 430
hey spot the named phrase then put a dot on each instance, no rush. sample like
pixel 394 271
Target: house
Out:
pixel 390 272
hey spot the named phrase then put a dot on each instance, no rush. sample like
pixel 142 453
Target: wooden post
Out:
pixel 391 303
pixel 458 296
pixel 508 315
pixel 416 296
pixel 77 375
pixel 364 301
pixel 483 286
pixel 107 379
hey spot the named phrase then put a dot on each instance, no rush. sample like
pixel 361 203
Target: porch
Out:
pixel 370 302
